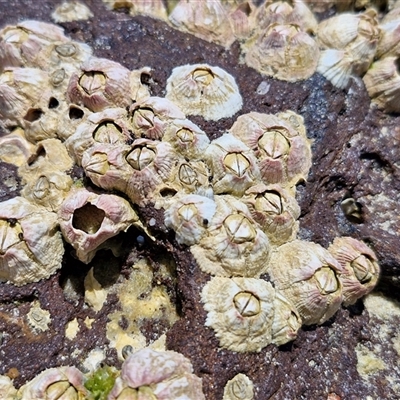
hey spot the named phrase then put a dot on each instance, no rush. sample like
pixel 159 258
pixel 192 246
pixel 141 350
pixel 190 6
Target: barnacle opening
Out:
pixel 60 388
pixel 53 103
pixel 33 114
pixel 143 117
pixel 239 228
pixel 141 157
pixel 108 132
pixel 185 135
pixel 98 164
pixel 92 82
pixel 65 49
pixel 88 218
pixel 75 113
pixel 42 187
pixel 58 76
pixel 187 211
pixel 270 202
pixel 363 268
pixel 203 76
pixel 247 304
pixel 274 144
pixel 40 154
pixel 326 280
pixel 10 234
pixel 187 174
pixel 236 163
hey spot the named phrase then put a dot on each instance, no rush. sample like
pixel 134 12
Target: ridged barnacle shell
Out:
pixel 100 84
pixel 283 153
pixel 383 84
pixel 20 44
pixel 31 245
pixel 240 387
pixel 14 148
pixel 150 374
pixel 275 210
pixel 349 43
pixel 22 92
pixel 55 383
pixel 71 11
pixel 187 139
pixel 360 267
pixel 109 126
pixel 282 12
pixel 309 277
pixel 69 120
pixel 283 51
pixel 151 117
pixel 207 20
pixel 201 89
pixel 88 219
pixel 241 18
pixel 233 165
pixel 189 216
pixel 233 245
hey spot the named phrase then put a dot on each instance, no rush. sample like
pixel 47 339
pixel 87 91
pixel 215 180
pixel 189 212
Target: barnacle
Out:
pixel 152 374
pixel 14 148
pixel 201 89
pixel 233 245
pixel 71 11
pixel 240 387
pixel 7 389
pixel 360 267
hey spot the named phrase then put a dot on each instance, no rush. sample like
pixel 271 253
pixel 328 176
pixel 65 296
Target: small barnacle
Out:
pixel 241 18
pixel 150 374
pixel 7 389
pixel 233 244
pixel 360 267
pixel 275 210
pixel 14 148
pixel 232 164
pixel 188 216
pixel 352 210
pixel 55 383
pixel 31 246
pixel 100 84
pixel 151 117
pixel 283 153
pixel 38 318
pixel 207 20
pixel 240 387
pixel 309 277
pixel 383 84
pixel 88 219
pixel 187 139
pixel 283 51
pixel 71 11
pixel 201 89
pixel 240 311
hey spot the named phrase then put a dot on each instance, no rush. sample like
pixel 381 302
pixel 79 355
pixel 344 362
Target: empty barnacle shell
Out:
pixel 70 119
pixel 88 219
pixel 240 387
pixel 383 84
pixel 71 11
pixel 14 148
pixel 31 246
pixel 188 216
pixel 283 153
pixel 233 244
pixel 233 165
pixel 55 383
pixel 309 277
pixel 20 44
pixel 150 374
pixel 360 267
pixel 100 84
pixel 275 210
pixel 207 20
pixel 283 51
pixel 151 117
pixel 201 89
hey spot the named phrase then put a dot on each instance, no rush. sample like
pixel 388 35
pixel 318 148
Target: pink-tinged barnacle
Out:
pixel 149 374
pixel 240 311
pixel 31 246
pixel 233 244
pixel 309 277
pixel 88 220
pixel 188 216
pixel 55 383
pixel 152 116
pixel 283 51
pixel 360 267
pixel 187 139
pixel 201 89
pixel 241 18
pixel 207 20
pixel 233 165
pixel 275 210
pixel 100 84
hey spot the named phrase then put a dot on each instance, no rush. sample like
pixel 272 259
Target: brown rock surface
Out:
pixel 356 154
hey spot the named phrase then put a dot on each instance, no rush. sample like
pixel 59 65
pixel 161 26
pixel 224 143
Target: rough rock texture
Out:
pixel 356 154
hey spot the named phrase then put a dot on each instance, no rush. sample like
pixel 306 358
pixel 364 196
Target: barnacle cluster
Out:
pixel 232 199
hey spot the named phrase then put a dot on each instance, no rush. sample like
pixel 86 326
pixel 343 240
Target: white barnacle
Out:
pixel 233 165
pixel 205 90
pixel 240 387
pixel 233 245
pixel 309 277
pixel 31 246
pixel 360 267
pixel 189 216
